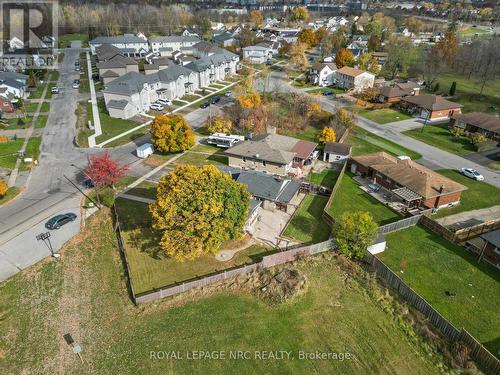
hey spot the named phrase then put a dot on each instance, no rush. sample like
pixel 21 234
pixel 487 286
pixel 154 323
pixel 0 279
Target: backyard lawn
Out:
pixel 433 266
pixel 200 159
pixel 383 116
pixel 146 189
pixel 84 294
pixel 65 40
pixel 350 197
pixel 365 142
pixel 438 135
pixel 307 224
pixel 478 194
pixel 321 90
pixel 326 178
pixel 148 268
pixel 467 93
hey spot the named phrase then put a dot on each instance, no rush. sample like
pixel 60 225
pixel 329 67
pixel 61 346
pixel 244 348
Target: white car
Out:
pixel 472 173
pixel 54 90
pixel 156 107
pixel 164 102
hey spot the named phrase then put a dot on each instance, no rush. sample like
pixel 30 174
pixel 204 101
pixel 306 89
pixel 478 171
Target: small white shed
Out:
pixel 145 150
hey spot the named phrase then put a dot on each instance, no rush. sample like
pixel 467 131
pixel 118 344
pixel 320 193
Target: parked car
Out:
pixel 77 68
pixel 216 99
pixel 204 105
pixel 472 173
pixel 77 63
pixel 328 93
pixel 164 102
pixel 228 93
pixel 58 221
pixel 88 183
pixel 76 83
pixel 156 107
pixel 54 90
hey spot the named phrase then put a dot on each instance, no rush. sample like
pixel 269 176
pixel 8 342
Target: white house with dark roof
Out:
pixel 14 83
pixel 129 45
pixel 165 45
pixel 322 74
pixel 257 54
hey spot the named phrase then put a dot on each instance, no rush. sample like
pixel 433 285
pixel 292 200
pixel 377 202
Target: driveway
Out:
pixel 431 155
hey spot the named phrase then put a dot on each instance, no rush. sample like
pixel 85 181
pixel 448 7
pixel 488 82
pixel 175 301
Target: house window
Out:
pixel 263 163
pixel 244 159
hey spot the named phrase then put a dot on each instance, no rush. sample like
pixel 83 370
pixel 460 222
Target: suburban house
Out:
pixel 490 250
pixel 134 92
pixel 271 153
pixel 273 46
pixel 408 181
pixel 431 107
pixel 6 105
pixel 335 152
pixel 271 191
pixel 322 74
pixel 394 93
pixel 381 57
pixel 353 79
pixel 14 83
pixel 166 45
pixel 477 122
pixel 139 91
pixel 129 44
pixel 205 49
pixel 257 54
pixel 224 39
pixel 112 64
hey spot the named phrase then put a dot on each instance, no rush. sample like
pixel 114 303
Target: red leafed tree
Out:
pixel 104 171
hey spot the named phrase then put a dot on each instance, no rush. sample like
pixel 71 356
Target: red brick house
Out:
pixel 5 101
pixel 491 248
pixel 393 94
pixel 411 182
pixel 431 107
pixel 477 122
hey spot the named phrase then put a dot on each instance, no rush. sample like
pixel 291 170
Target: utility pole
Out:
pixel 81 191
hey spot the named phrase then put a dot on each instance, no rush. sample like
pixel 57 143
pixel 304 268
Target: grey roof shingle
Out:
pixel 117 39
pixel 492 237
pixel 264 186
pixel 117 104
pixel 130 83
pixel 174 39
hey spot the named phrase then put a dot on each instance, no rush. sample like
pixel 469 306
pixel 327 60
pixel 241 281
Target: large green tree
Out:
pixel 354 232
pixel 197 209
pixel 171 133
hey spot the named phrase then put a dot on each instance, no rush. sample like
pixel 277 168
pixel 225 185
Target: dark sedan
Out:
pixel 205 105
pixel 58 221
pixel 215 99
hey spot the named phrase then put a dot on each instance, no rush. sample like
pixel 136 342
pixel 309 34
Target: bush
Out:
pixel 453 88
pixel 457 132
pixel 3 188
pixel 107 196
pixel 436 87
pixel 3 139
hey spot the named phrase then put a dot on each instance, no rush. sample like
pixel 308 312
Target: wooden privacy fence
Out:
pixel 326 215
pixel 477 351
pixel 267 261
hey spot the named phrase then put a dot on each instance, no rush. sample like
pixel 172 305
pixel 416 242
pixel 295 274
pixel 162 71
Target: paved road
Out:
pixel 430 154
pixel 47 191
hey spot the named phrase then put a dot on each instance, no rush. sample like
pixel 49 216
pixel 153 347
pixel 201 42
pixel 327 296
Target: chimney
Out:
pixel 441 188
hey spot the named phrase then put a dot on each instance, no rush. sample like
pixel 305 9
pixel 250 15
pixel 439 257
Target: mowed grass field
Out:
pixel 350 197
pixel 365 142
pixel 478 194
pixel 149 269
pixel 307 224
pixel 84 294
pixel 384 115
pixel 438 135
pixel 432 266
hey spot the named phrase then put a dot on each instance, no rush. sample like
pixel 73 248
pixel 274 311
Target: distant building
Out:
pixel 393 94
pixel 353 79
pixel 335 152
pixel 477 122
pixel 130 45
pixel 322 74
pixel 431 107
pixel 257 54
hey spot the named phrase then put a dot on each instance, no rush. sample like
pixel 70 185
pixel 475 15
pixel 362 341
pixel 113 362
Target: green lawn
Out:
pixel 478 194
pixel 31 107
pixel 38 91
pixel 65 40
pixel 307 224
pixel 145 189
pixel 84 294
pixel 439 136
pixel 432 266
pixel 113 126
pixel 41 121
pixel 200 159
pixel 467 93
pixel 326 178
pixel 365 142
pixel 8 153
pixel 12 192
pixel 32 151
pixel 350 197
pixel 148 268
pixel 384 116
pixel 310 134
pixel 18 123
pixel 206 148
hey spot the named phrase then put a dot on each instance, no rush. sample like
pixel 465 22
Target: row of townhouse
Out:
pixel 134 92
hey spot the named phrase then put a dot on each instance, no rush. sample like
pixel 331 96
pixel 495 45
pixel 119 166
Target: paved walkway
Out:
pixel 484 215
pixel 95 109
